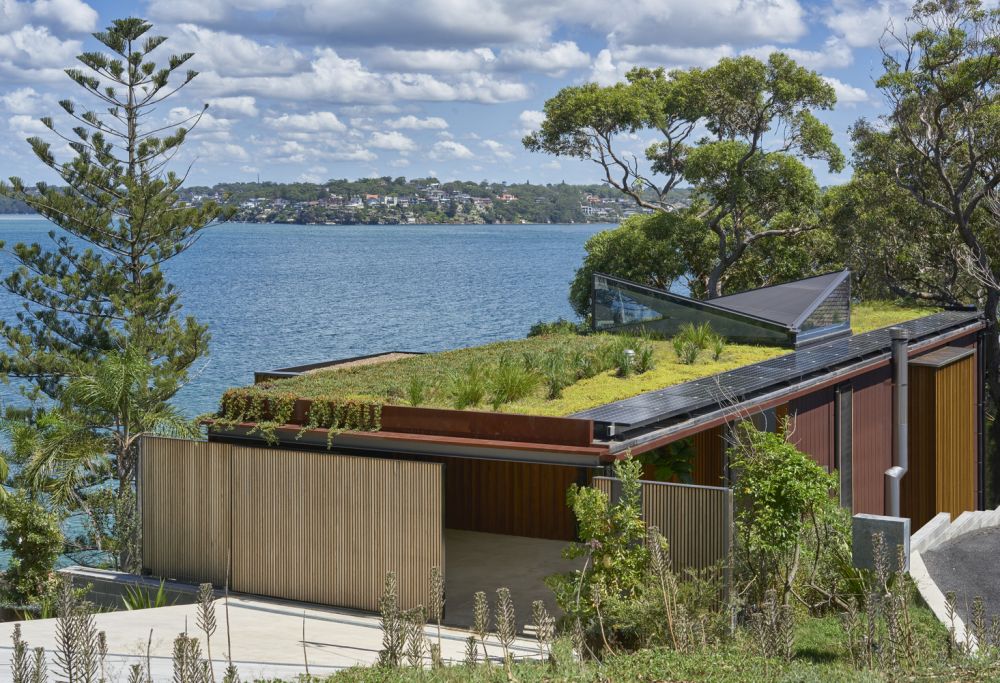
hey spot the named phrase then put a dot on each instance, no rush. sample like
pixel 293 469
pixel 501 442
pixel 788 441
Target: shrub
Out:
pixel 468 388
pixel 510 381
pixel 625 595
pixel 34 540
pixel 783 492
pixel 560 326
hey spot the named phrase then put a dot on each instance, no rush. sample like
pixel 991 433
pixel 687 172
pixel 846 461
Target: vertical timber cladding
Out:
pixel 185 506
pixel 942 443
pixel 812 426
pixel 709 467
pixel 326 528
pixel 697 521
pixel 871 451
pixel 513 498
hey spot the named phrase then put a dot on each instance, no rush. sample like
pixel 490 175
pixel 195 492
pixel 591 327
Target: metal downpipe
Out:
pixel 900 429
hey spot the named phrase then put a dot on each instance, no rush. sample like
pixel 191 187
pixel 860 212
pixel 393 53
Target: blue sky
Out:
pixel 317 89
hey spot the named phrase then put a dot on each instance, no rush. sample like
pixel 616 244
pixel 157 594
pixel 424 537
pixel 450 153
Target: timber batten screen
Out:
pixel 697 521
pixel 185 505
pixel 301 525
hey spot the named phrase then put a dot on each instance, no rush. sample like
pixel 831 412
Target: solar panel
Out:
pixel 743 382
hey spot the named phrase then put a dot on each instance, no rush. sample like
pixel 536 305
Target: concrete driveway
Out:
pixel 267 639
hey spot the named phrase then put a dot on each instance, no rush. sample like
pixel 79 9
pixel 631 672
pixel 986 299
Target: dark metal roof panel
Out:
pixel 744 382
pixel 785 303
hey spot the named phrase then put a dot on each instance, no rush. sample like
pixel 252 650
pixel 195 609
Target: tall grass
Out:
pixel 510 381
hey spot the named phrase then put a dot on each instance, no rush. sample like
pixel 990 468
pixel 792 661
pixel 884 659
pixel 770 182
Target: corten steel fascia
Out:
pixel 661 437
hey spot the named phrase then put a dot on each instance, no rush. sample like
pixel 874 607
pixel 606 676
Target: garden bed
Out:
pixel 435 380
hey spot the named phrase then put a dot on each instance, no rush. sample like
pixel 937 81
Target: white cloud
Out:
pixel 223 151
pixel 36 47
pixel 431 59
pixel 332 78
pixel 245 106
pixel 392 140
pixel 70 15
pixel 399 163
pixel 206 123
pixel 498 150
pixel 249 169
pixel 707 22
pixel 530 120
pixel 21 101
pixel 314 121
pixel 25 126
pixel 554 60
pixel 861 24
pixel 229 54
pixel 315 174
pixel 846 93
pixel 412 122
pixel 836 54
pixel 449 149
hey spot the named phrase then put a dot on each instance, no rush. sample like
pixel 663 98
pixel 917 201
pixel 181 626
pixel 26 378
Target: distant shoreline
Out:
pixel 35 216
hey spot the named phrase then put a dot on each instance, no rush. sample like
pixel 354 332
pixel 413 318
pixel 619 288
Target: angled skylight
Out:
pixel 790 314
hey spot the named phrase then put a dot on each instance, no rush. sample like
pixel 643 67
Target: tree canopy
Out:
pixel 97 291
pixel 747 173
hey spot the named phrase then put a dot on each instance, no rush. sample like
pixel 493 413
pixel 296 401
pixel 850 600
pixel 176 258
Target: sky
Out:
pixel 308 90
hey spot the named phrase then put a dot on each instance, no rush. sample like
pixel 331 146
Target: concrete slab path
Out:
pixel 267 639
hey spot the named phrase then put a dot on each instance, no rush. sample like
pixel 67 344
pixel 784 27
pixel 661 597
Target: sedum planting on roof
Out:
pixel 556 374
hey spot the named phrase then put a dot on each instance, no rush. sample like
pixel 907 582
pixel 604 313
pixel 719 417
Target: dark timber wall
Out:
pixel 519 499
pixel 872 447
pixel 812 425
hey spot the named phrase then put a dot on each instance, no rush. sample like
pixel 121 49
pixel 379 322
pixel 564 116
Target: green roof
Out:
pixel 436 373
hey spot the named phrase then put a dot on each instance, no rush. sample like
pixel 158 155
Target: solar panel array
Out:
pixel 744 382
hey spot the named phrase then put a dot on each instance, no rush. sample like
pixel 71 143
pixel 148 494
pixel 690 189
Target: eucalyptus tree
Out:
pixel 738 133
pixel 98 287
pixel 940 141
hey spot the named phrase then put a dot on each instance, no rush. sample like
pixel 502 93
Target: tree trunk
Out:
pixel 991 342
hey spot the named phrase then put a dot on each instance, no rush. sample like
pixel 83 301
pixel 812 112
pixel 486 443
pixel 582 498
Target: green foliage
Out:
pixel 33 537
pixel 744 193
pixel 630 354
pixel 101 334
pixel 468 389
pixel 611 540
pixel 136 597
pixel 781 490
pixel 692 339
pixel 268 410
pixel 416 390
pixel 560 326
pixel 673 460
pixel 557 372
pixel 644 248
pixel 510 381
